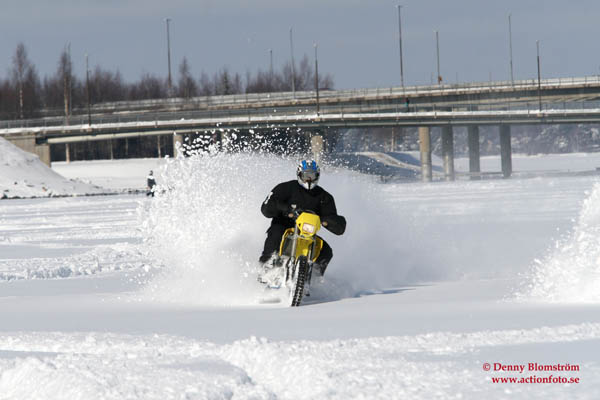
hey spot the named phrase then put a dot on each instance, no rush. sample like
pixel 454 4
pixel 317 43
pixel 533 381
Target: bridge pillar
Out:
pixel 177 138
pixel 474 158
pixel 43 152
pixel 27 143
pixel 316 146
pixel 425 145
pixel 505 150
pixel 448 152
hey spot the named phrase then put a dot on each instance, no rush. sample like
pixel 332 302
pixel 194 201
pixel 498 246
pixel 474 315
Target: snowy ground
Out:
pixel 113 175
pixel 129 297
pixel 575 162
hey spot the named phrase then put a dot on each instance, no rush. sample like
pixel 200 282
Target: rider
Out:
pixel 304 194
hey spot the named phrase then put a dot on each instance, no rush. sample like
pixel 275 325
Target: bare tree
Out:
pixel 305 75
pixel 107 86
pixel 225 83
pixel 206 86
pixel 65 74
pixel 8 96
pixel 187 86
pixel 150 87
pixel 263 82
pixel 23 96
pixel 26 80
pixel 52 93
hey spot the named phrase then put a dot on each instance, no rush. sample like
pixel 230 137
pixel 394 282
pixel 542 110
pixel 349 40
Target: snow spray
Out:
pixel 204 228
pixel 571 272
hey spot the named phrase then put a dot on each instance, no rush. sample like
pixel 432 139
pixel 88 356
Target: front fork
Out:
pixel 292 261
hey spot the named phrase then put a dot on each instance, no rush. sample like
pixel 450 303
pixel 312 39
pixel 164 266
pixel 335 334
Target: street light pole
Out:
pixel 437 46
pixel 293 71
pixel 169 81
pixel 400 44
pixel 270 85
pixel 87 88
pixel 512 78
pixel 317 77
pixel 537 44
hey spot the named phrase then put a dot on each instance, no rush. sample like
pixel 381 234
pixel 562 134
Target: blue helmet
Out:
pixel 308 173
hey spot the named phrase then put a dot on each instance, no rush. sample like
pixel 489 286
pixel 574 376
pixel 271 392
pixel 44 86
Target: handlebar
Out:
pixel 295 212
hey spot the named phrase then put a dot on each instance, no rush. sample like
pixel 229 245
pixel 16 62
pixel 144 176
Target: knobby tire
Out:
pixel 302 270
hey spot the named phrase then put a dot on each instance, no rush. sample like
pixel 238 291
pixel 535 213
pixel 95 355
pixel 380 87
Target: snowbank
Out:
pixel 22 174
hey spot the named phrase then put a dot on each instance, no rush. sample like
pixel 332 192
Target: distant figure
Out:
pixel 150 183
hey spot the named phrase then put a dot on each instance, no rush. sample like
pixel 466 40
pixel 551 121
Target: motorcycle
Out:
pixel 300 246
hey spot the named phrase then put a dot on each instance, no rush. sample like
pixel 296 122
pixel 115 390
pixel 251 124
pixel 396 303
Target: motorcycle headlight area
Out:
pixel 308 228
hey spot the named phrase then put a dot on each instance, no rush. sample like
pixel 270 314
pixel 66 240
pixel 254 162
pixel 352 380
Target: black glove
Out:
pixel 293 212
pixel 335 224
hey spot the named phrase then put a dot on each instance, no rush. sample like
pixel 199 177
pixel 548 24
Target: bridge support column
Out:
pixel 68 152
pixel 43 152
pixel 425 145
pixel 27 143
pixel 474 157
pixel 505 150
pixel 177 138
pixel 317 147
pixel 448 152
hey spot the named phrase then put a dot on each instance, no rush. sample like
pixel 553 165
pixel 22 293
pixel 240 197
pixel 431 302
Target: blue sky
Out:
pixel 358 40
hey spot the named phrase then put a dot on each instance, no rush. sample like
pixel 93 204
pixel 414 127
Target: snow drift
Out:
pixel 22 174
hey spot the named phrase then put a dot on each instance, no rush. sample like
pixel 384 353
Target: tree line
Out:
pixel 23 94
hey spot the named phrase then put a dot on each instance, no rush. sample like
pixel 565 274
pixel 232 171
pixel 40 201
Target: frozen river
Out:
pixel 129 297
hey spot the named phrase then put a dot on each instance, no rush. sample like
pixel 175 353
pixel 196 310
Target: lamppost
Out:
pixel 270 70
pixel 437 47
pixel 537 44
pixel 169 81
pixel 400 44
pixel 317 77
pixel 512 79
pixel 87 88
pixel 293 71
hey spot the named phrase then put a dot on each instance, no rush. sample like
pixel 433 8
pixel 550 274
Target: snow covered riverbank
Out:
pixel 23 175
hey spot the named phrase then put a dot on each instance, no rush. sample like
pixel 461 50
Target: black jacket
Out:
pixel 150 181
pixel 278 204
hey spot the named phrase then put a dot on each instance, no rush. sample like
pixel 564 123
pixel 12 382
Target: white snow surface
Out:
pixel 121 175
pixel 130 297
pixel 22 174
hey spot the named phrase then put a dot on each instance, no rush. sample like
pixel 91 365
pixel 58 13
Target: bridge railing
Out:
pixel 268 113
pixel 304 102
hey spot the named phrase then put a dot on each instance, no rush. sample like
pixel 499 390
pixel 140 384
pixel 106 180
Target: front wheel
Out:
pixel 299 277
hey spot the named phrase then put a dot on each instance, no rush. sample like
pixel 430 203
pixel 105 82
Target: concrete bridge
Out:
pixel 550 101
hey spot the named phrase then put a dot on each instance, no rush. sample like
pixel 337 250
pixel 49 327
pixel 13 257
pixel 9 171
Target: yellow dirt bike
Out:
pixel 300 246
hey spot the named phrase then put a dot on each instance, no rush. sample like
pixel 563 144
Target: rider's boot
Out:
pixel 268 266
pixel 320 268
